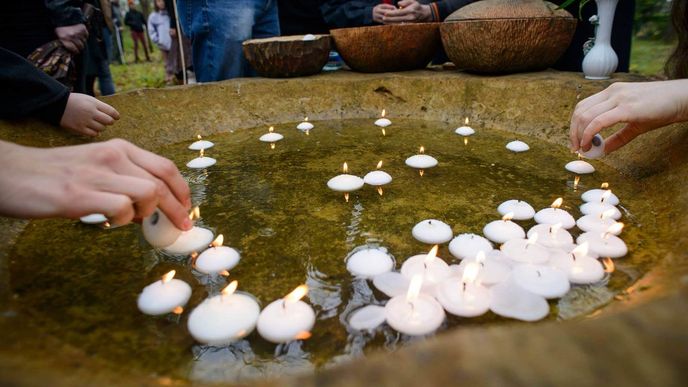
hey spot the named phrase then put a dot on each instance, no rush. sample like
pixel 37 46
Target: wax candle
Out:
pixel 194 240
pixel 345 183
pixel 367 318
pixel 521 210
pixel 158 230
pixel 543 280
pixel 464 297
pixel 382 121
pixel 217 258
pixel 600 195
pixel 287 319
pixel 580 267
pixel 596 151
pixel 421 161
pixel 465 130
pixel 517 146
pixel 377 178
pixel 526 250
pixel 551 235
pixel 433 269
pixel 599 208
pixel 596 223
pixel 605 244
pixel 201 161
pixel 200 144
pixel 304 126
pixel 492 270
pixel 468 245
pixel 554 215
pixel 164 296
pixel 391 283
pixel 415 313
pixel 579 167
pixel 432 231
pixel 500 231
pixel 93 219
pixel 224 318
pixel 369 262
pixel 510 300
pixel 271 136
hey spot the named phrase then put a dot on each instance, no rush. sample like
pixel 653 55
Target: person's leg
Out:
pixel 144 42
pixel 107 86
pixel 266 23
pixel 136 45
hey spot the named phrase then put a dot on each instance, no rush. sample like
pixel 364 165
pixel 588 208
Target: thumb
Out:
pixel 621 138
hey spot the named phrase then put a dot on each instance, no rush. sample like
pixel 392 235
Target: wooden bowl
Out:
pixel 395 47
pixel 287 56
pixel 496 36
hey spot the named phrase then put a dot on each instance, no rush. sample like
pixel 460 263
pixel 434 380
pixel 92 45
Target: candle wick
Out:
pixel 464 287
pixel 573 256
pixel 538 273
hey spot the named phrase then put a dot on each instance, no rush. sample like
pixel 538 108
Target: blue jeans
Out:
pixel 218 27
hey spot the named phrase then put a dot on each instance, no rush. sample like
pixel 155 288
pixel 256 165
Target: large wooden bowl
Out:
pixel 287 56
pixel 497 36
pixel 397 47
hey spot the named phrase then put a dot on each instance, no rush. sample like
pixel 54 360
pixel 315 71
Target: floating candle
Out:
pixel 525 250
pixel 200 144
pixel 304 126
pixel 517 146
pixel 546 281
pixel 345 182
pixel 510 300
pixel 433 269
pixel 308 37
pixel 500 231
pixel 605 244
pixel 579 167
pixel 164 296
pixel 382 121
pixel 551 235
pixel 596 151
pixel 465 130
pixel 432 231
pixel 377 178
pixel 492 270
pixel 271 137
pixel 580 267
pixel 554 215
pixel 194 240
pixel 521 210
pixel 158 230
pixel 597 223
pixel 201 161
pixel 287 319
pixel 391 283
pixel 600 195
pixel 414 314
pixel 224 318
pixel 93 219
pixel 369 262
pixel 599 208
pixel 464 297
pixel 468 245
pixel 421 161
pixel 217 258
pixel 367 318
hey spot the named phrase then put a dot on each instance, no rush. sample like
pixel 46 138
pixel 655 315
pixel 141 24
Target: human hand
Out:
pixel 87 115
pixel 410 11
pixel 73 37
pixel 642 106
pixel 173 32
pixel 114 178
pixel 380 10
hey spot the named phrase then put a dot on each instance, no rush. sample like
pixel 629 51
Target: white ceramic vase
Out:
pixel 601 60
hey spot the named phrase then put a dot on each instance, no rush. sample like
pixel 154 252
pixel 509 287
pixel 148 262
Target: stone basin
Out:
pixel 641 338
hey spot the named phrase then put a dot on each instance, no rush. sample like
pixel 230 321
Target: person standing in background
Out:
pixel 135 20
pixel 159 32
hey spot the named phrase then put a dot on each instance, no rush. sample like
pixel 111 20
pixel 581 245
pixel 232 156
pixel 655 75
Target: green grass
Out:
pixel 648 57
pixel 132 75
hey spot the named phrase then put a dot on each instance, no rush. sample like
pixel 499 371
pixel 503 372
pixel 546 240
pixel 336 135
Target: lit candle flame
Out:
pixel 308 133
pixel 199 137
pixel 271 129
pixel 224 273
pixel 604 185
pixel 106 224
pixel 614 229
pixel 554 229
pixel 580 251
pixel 431 255
pixel 508 216
pixel 168 276
pixel 480 257
pixel 218 241
pixel 414 288
pixel 202 153
pixel 533 239
pixel 421 172
pixel 305 119
pixel 470 273
pixel 605 195
pixel 272 145
pixel 576 180
pixel 195 213
pixel 303 335
pixel 465 141
pixel 421 150
pixel 345 168
pixel 607 214
pixel 379 164
pixel 466 121
pixel 379 190
pixel 608 264
pixel 178 310
pixel 346 197
pixel 384 133
pixel 383 113
pixel 296 294
pixel 230 289
pixel 557 203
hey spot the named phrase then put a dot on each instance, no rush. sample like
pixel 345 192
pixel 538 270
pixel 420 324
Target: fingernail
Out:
pixel 187 224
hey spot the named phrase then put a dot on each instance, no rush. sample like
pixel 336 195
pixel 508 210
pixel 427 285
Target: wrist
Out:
pixel 426 12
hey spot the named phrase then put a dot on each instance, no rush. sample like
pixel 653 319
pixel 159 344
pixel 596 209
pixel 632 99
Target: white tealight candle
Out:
pixel 200 144
pixel 579 167
pixel 421 161
pixel 369 262
pixel 164 296
pixel 377 178
pixel 500 231
pixel 432 231
pixel 271 137
pixel 287 319
pixel 367 318
pixel 554 215
pixel 414 314
pixel 597 223
pixel 510 300
pixel 217 258
pixel 600 208
pixel 465 130
pixel 224 318
pixel 596 151
pixel 492 270
pixel 382 121
pixel 194 240
pixel 304 126
pixel 600 195
pixel 464 297
pixel 201 162
pixel 605 244
pixel 525 250
pixel 521 210
pixel 468 245
pixel 433 269
pixel 391 283
pixel 308 37
pixel 517 146
pixel 158 230
pixel 345 182
pixel 580 267
pixel 93 219
pixel 551 235
pixel 546 281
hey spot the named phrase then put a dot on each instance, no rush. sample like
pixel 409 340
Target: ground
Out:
pixel 647 58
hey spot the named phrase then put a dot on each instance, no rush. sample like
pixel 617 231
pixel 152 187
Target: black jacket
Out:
pixel 135 20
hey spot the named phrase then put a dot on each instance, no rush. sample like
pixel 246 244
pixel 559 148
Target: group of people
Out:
pixel 125 182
